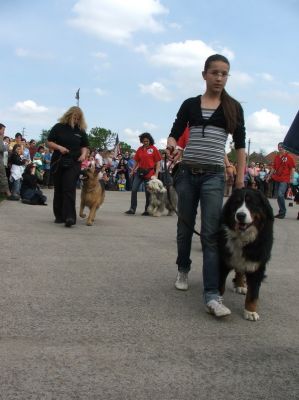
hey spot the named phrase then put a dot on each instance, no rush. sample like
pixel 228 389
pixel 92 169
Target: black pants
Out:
pixel 65 183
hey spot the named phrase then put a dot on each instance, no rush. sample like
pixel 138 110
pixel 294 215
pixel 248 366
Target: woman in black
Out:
pixel 69 141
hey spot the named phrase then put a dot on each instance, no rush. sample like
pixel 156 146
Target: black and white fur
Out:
pixel 246 240
pixel 159 198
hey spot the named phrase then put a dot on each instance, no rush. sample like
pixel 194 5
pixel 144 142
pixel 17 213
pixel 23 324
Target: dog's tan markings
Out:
pixel 240 283
pixel 250 308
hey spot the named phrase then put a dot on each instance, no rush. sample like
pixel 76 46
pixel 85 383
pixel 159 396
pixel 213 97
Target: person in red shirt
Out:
pixel 282 174
pixel 147 164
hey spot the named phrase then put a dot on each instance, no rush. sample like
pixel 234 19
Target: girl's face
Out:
pixel 216 76
pixel 146 142
pixel 18 150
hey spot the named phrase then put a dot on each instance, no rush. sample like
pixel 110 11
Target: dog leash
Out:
pixel 167 184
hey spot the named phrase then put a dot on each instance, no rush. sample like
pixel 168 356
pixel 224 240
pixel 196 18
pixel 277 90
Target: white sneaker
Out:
pixel 216 308
pixel 181 282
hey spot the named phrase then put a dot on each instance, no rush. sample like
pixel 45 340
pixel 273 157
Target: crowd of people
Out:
pixel 17 153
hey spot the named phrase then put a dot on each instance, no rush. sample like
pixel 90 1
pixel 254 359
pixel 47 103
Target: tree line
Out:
pixel 99 138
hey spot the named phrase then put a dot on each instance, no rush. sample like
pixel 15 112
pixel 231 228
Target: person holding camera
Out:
pixel 69 141
pixel 147 164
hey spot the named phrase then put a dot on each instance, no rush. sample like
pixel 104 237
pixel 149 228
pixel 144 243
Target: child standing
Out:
pixel 122 182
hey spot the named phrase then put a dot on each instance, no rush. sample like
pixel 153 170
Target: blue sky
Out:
pixel 135 61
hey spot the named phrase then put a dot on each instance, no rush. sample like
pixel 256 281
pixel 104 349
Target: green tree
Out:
pixel 43 137
pixel 232 155
pixel 125 147
pixel 101 138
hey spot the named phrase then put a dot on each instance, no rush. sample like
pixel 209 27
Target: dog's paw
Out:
pixel 251 316
pixel 89 223
pixel 82 215
pixel 240 290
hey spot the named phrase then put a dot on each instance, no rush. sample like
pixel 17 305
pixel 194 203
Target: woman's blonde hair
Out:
pixel 67 118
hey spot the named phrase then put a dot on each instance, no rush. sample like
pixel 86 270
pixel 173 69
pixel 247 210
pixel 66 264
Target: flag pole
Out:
pixel 77 97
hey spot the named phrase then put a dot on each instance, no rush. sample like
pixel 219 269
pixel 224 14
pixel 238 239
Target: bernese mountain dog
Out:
pixel 246 240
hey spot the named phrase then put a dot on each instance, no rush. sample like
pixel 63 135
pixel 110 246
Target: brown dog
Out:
pixel 92 194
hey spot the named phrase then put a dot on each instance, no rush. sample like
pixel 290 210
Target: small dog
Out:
pixel 92 194
pixel 246 240
pixel 159 198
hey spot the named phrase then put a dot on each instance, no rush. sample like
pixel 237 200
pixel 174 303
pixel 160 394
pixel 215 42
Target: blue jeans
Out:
pixel 208 188
pixel 281 188
pixel 15 186
pixel 137 181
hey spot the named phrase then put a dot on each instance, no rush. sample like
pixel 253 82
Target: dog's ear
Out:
pixel 267 206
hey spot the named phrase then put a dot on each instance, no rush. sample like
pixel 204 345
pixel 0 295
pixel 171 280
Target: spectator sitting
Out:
pixel 30 191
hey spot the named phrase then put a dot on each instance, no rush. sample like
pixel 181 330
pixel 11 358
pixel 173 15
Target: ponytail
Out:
pixel 231 109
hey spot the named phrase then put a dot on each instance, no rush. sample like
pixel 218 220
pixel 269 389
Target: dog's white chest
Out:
pixel 237 260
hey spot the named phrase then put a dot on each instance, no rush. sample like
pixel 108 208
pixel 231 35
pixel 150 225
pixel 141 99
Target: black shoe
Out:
pixel 280 216
pixel 130 212
pixel 26 201
pixel 298 216
pixel 59 221
pixel 69 222
pixel 145 214
pixel 13 197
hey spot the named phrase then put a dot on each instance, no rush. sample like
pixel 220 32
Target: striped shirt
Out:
pixel 206 144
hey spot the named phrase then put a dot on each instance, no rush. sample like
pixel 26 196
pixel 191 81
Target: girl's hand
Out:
pixel 81 158
pixel 63 150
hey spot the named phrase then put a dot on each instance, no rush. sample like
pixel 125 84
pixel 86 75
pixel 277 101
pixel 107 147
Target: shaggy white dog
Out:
pixel 159 198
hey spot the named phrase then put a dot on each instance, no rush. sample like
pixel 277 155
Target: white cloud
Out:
pixel 117 20
pixel 238 79
pixel 149 126
pixel 295 84
pixel 266 76
pixel 25 53
pixel 156 90
pixel 185 61
pixel 187 54
pixel 100 55
pixel 29 107
pixel 162 143
pixel 142 49
pixel 191 53
pixel 30 115
pixel 100 92
pixel 280 96
pixel 131 136
pixel 264 130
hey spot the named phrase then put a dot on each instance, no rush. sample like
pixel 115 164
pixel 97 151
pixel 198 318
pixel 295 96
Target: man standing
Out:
pixel 282 174
pixel 147 164
pixel 3 178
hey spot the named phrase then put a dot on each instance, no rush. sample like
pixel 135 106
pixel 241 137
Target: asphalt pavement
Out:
pixel 92 313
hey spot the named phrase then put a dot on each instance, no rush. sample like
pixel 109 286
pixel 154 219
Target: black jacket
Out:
pixel 190 114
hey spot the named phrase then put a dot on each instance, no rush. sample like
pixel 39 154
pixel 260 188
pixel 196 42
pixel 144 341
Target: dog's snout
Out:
pixel 241 216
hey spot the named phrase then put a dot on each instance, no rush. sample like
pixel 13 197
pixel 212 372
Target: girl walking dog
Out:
pixel 200 175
